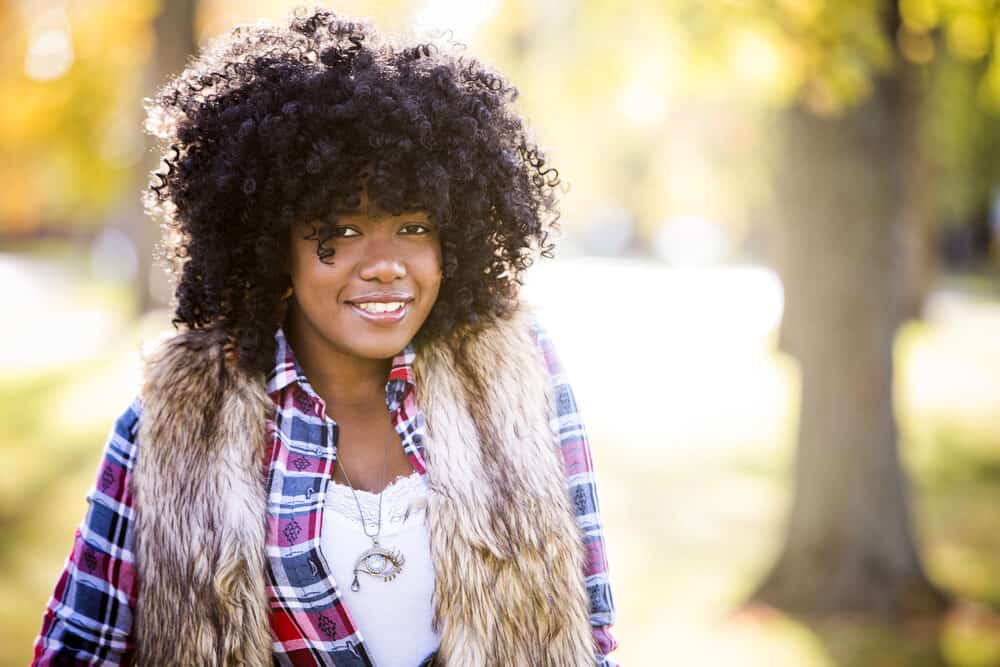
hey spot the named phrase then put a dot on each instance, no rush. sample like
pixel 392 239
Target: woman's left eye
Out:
pixel 415 228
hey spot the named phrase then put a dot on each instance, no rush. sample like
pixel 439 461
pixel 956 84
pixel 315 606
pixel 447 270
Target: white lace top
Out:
pixel 393 616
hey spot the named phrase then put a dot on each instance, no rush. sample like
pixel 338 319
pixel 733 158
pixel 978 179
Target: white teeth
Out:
pixel 376 307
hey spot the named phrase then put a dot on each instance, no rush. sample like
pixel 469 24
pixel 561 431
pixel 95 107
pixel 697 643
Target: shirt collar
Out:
pixel 286 370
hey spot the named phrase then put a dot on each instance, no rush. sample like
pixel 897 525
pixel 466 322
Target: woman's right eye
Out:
pixel 345 232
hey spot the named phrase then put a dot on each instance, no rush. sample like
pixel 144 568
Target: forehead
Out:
pixel 370 208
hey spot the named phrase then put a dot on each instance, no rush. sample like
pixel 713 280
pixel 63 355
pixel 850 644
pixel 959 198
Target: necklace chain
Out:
pixel 376 561
pixel 364 524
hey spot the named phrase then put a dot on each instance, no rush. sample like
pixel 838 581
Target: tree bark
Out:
pixel 918 203
pixel 842 185
pixel 173 30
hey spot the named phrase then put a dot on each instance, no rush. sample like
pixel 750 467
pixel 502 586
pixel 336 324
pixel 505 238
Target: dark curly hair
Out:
pixel 271 125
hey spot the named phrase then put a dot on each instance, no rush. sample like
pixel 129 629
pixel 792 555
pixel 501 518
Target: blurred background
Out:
pixel 777 295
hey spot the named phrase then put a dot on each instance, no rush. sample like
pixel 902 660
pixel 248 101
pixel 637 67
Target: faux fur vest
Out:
pixel 507 553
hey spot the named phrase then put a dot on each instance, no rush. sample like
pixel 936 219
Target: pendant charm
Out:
pixel 378 562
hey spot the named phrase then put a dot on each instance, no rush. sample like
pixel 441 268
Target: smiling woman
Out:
pixel 372 299
pixel 355 392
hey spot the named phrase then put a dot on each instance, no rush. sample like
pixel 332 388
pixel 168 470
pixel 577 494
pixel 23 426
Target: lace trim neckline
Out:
pixel 414 479
pixel 402 499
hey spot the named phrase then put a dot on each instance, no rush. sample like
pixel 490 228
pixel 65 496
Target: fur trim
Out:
pixel 507 553
pixel 200 510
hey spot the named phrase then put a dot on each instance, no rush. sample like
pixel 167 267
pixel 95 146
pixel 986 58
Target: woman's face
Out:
pixel 378 288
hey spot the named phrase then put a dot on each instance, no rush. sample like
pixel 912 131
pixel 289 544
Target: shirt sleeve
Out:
pixel 88 620
pixel 575 450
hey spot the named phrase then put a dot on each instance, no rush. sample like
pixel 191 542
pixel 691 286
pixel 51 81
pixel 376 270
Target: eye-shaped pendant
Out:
pixel 378 562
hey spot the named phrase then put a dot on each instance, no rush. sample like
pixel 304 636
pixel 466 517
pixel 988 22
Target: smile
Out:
pixel 376 307
pixel 381 311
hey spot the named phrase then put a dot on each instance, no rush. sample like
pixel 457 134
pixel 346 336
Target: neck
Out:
pixel 342 380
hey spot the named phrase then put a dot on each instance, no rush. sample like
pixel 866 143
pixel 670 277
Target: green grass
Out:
pixel 688 541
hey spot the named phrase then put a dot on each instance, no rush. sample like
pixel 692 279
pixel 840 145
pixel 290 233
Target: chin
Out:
pixel 380 352
pixel 373 346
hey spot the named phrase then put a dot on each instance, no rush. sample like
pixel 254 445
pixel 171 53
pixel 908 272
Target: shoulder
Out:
pixel 180 356
pixel 499 357
pixel 522 337
pixel 529 343
pixel 183 371
pixel 543 341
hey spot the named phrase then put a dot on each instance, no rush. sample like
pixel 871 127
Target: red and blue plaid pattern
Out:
pixel 89 618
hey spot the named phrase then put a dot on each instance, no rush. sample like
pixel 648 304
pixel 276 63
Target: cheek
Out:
pixel 300 260
pixel 432 268
pixel 313 278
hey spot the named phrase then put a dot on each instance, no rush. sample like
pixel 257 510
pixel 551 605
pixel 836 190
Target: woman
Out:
pixel 359 449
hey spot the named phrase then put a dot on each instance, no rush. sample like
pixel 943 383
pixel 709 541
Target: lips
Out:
pixel 387 308
pixel 380 297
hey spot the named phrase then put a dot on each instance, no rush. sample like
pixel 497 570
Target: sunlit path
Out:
pixel 57 323
pixel 662 357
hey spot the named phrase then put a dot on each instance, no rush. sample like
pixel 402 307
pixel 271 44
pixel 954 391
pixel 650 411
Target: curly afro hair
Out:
pixel 271 125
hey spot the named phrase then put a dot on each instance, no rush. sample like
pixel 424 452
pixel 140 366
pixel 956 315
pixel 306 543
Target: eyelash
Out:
pixel 338 231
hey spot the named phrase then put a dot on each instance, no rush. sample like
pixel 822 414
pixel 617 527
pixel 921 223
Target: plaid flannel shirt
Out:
pixel 89 617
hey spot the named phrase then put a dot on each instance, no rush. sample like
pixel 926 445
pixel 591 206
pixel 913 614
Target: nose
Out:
pixel 382 262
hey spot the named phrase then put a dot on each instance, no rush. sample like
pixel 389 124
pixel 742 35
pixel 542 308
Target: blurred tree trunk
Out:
pixel 917 205
pixel 175 42
pixel 845 185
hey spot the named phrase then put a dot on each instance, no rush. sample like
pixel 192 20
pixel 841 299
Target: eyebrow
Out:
pixel 378 212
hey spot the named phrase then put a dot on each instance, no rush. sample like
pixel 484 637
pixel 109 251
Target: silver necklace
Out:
pixel 376 561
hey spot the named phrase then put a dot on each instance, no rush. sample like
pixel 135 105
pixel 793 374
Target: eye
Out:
pixel 416 228
pixel 378 562
pixel 344 232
